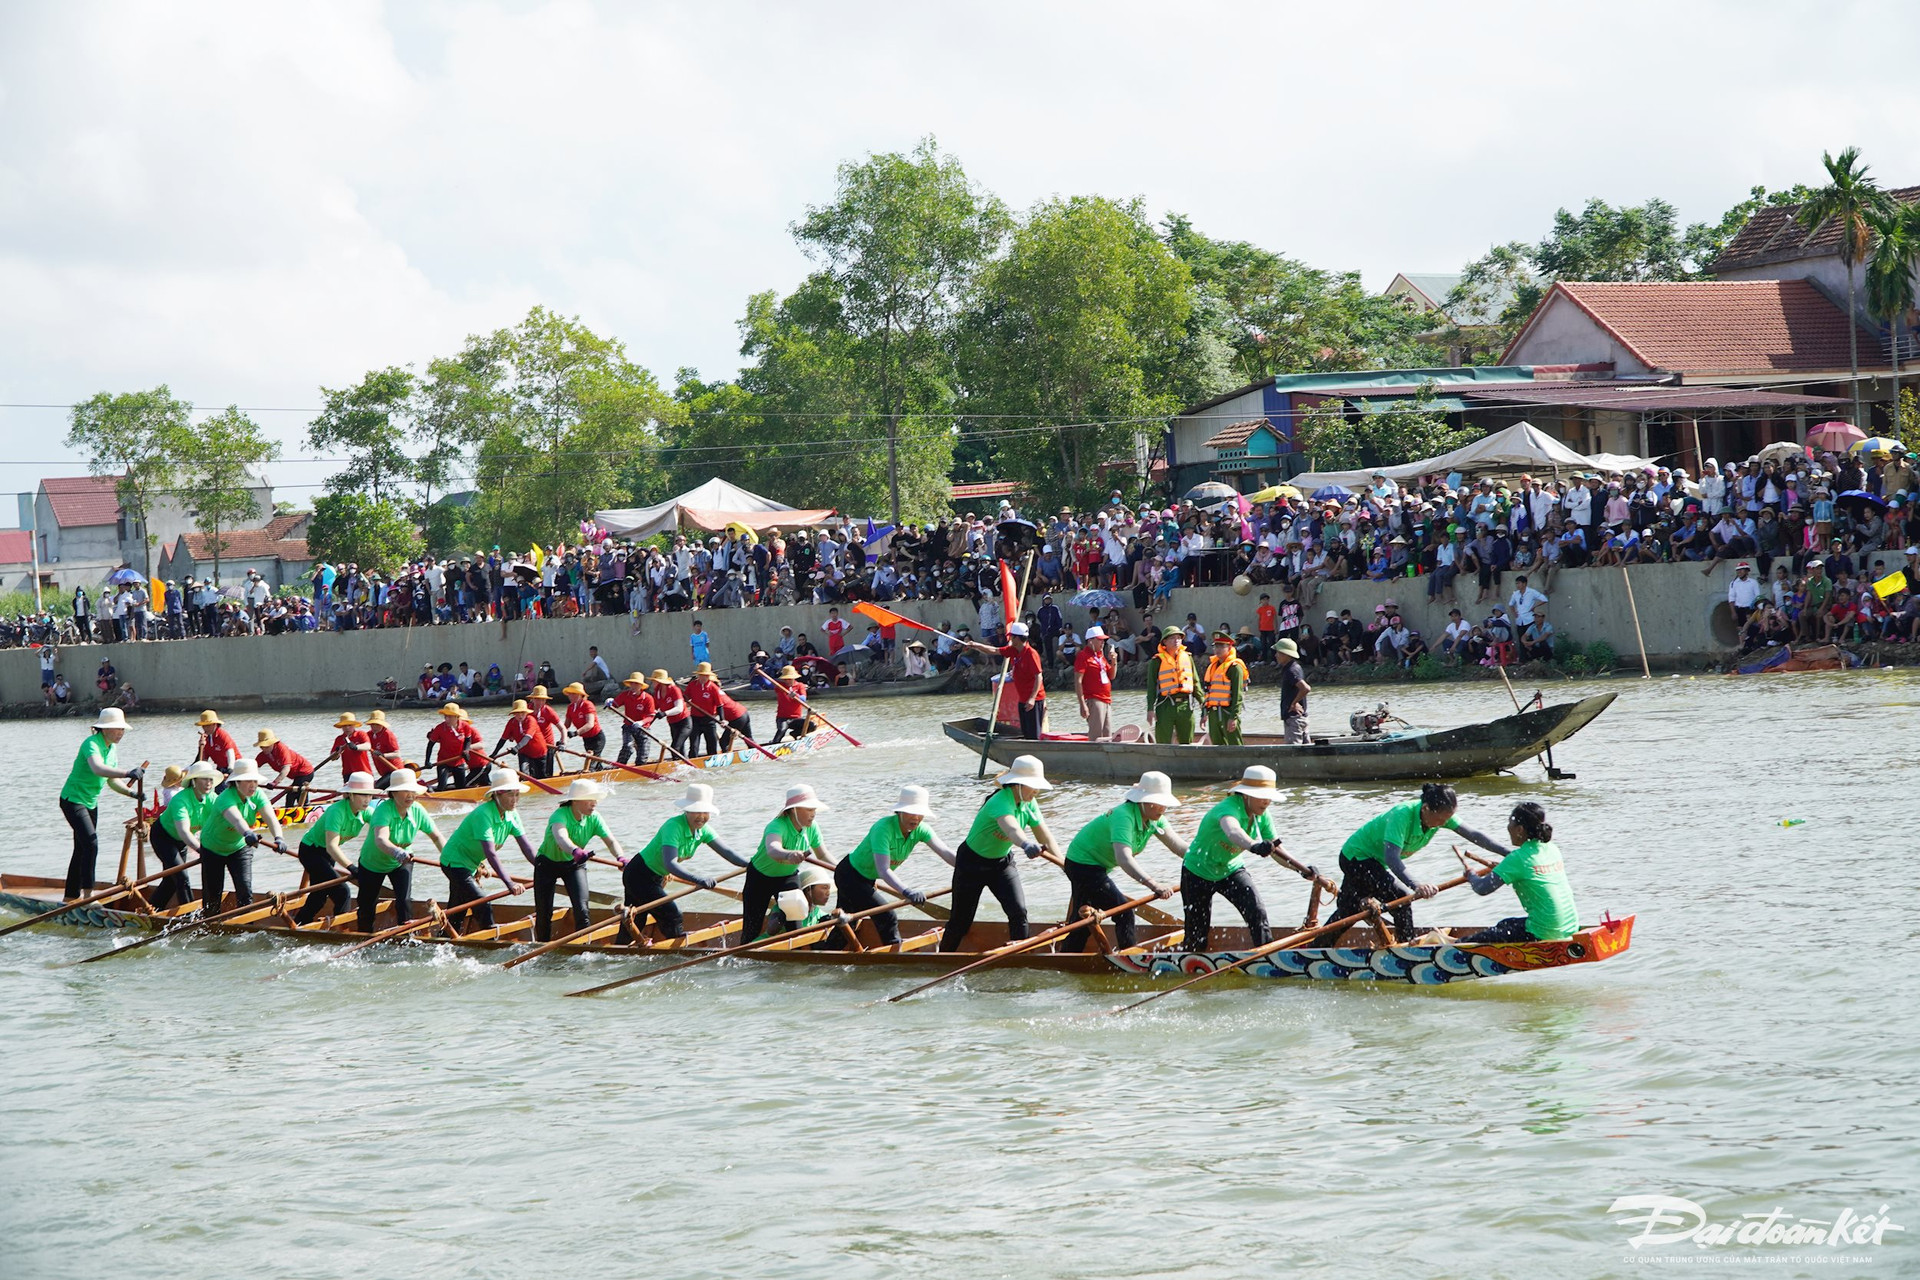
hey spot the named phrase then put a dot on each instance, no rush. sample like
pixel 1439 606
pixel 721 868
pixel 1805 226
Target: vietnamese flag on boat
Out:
pixel 1009 596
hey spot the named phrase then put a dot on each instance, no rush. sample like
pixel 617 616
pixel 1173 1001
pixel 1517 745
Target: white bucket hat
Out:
pixel 913 800
pixel 1257 784
pixel 583 789
pixel 810 875
pixel 404 780
pixel 699 799
pixel 111 718
pixel 201 769
pixel 245 771
pixel 1016 628
pixel 1026 771
pixel 360 784
pixel 1095 633
pixel 1154 788
pixel 505 780
pixel 802 797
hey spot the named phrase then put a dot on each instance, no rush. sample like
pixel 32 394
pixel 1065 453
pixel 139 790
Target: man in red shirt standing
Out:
pixel 1267 619
pixel 1093 681
pixel 636 709
pixel 542 704
pixel 1023 672
pixel 351 748
pixel 217 746
pixel 459 749
pixel 529 740
pixel 672 707
pixel 284 766
pixel 790 713
pixel 703 699
pixel 836 632
pixel 386 747
pixel 583 721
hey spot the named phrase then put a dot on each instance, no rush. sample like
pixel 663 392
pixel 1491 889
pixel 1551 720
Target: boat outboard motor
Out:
pixel 1369 724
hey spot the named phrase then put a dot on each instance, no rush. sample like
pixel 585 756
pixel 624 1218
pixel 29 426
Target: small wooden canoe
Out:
pixel 938 682
pixel 1462 752
pixel 1416 964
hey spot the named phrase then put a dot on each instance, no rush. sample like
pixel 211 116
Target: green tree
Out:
pixel 137 438
pixel 1602 242
pixel 898 246
pixel 1341 439
pixel 1850 197
pixel 1502 285
pixel 217 459
pixel 1059 344
pixel 356 528
pixel 366 422
pixel 561 414
pixel 1891 278
pixel 1257 313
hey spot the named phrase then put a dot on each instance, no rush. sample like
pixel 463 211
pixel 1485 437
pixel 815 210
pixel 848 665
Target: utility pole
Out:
pixel 893 464
pixel 33 533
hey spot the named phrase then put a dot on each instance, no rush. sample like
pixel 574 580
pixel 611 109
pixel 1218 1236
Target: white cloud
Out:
pixel 248 201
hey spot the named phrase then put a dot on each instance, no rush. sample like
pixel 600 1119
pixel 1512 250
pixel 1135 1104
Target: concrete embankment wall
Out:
pixel 1682 613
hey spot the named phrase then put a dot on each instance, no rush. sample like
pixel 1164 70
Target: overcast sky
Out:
pixel 248 201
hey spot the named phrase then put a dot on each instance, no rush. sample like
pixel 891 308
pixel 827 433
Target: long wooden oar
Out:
pixel 1026 944
pixel 612 922
pixel 900 900
pixel 99 896
pixel 831 725
pixel 611 764
pixel 666 747
pixel 1150 913
pixel 792 935
pixel 1335 927
pixel 426 921
pixel 525 777
pixel 276 902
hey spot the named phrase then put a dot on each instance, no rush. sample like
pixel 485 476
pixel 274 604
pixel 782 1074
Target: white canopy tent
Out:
pixel 1520 447
pixel 711 506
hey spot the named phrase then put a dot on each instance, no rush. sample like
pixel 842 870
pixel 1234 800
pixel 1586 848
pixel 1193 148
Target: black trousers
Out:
pixel 462 887
pixel 320 869
pixel 796 729
pixel 175 890
pixel 215 869
pixel 633 743
pixel 595 744
pixel 1196 891
pixel 756 891
pixel 86 847
pixel 368 881
pixel 998 876
pixel 1030 719
pixel 704 736
pixel 643 886
pixel 741 726
pixel 1512 929
pixel 574 875
pixel 451 774
pixel 680 729
pixel 1093 887
pixel 854 892
pixel 1363 879
pixel 536 766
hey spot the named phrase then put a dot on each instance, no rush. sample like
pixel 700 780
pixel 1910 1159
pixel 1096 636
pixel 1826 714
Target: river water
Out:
pixel 171 1114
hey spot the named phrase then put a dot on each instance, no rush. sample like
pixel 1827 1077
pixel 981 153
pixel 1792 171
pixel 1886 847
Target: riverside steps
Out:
pixel 1683 615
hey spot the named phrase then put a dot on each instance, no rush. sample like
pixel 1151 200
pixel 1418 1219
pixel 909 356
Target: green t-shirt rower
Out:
pixel 1210 856
pixel 402 830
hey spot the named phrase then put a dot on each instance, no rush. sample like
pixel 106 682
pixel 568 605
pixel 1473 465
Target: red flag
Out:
pixel 888 618
pixel 1009 595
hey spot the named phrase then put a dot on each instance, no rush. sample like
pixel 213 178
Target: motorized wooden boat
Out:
pixel 1461 752
pixel 938 682
pixel 1421 963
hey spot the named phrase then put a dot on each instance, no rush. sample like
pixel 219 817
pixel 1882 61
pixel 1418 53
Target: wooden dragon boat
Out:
pixel 939 682
pixel 1413 753
pixel 1426 962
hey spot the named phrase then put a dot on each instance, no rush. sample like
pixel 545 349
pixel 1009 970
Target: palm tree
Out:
pixel 1849 197
pixel 1890 280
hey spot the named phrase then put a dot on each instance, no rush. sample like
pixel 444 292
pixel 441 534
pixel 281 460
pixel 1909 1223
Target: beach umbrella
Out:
pixel 1874 444
pixel 1212 491
pixel 1834 435
pixel 1098 600
pixel 1330 493
pixel 1273 491
pixel 123 577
